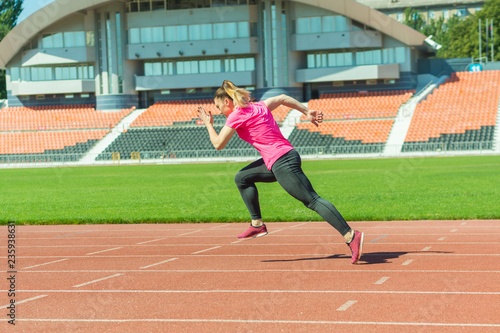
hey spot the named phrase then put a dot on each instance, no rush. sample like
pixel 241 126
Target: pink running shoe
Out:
pixel 253 232
pixel 356 246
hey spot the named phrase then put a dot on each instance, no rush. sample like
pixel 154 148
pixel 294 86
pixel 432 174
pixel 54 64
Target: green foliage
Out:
pixel 9 12
pixel 459 36
pixel 362 190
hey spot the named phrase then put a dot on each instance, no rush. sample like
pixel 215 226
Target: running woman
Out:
pixel 255 124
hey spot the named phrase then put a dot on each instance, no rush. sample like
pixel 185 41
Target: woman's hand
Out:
pixel 205 116
pixel 315 116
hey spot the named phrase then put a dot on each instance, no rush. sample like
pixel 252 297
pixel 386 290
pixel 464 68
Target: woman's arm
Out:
pixel 314 116
pixel 218 140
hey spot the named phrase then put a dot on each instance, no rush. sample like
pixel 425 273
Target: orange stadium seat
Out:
pixel 43 118
pixel 467 101
pixel 360 105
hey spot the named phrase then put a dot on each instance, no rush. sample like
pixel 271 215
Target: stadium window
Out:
pixel 69 96
pixel 191 91
pixel 134 35
pixel 182 33
pixel 431 14
pixel 310 61
pixel 165 92
pixel 328 24
pixel 148 69
pixel 206 90
pixel 388 56
pixel 47 41
pixel 315 24
pixel 400 54
pixel 157 68
pixel 57 40
pixel 14 74
pixel 348 59
pixel 243 30
pixel 25 98
pixel 219 30
pixel 231 30
pixel 250 64
pixel 157 34
pixel 446 14
pixel 84 95
pixel 400 17
pixel 168 68
pixel 206 31
pixel 40 97
pixel 338 83
pixel 371 82
pixel 302 26
pixel 195 32
pixel 340 23
pixel 389 81
pixel 171 34
pixel 69 40
pixel 146 35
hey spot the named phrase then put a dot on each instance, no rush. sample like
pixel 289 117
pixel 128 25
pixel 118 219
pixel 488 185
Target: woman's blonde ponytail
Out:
pixel 239 96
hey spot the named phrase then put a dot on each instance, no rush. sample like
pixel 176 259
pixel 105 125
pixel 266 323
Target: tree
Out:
pixel 414 19
pixel 460 36
pixel 9 12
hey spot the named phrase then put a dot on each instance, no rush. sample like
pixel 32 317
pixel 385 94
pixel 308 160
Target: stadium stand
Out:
pixel 42 132
pixel 57 118
pixel 170 112
pixel 459 115
pixel 168 141
pixel 358 122
pixel 357 105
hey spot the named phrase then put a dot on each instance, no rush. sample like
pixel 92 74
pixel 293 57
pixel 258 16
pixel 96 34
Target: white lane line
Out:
pixel 395 292
pixel 376 239
pixel 441 239
pixel 191 232
pixel 454 230
pixel 297 225
pixel 47 263
pixel 212 248
pixel 150 241
pixel 463 223
pixel 264 271
pixel 159 263
pixel 426 248
pixel 94 281
pixel 241 321
pixel 346 305
pixel 116 248
pixel 24 301
pixel 407 262
pixel 382 280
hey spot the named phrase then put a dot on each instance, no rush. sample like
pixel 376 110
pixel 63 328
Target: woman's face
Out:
pixel 225 106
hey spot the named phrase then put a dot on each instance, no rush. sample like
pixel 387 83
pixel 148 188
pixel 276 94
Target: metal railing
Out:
pixel 178 156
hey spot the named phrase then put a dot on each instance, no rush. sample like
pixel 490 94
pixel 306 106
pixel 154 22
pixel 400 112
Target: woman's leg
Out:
pixel 289 174
pixel 245 180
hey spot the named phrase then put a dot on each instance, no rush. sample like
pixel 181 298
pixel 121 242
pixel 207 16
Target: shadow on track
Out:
pixel 370 258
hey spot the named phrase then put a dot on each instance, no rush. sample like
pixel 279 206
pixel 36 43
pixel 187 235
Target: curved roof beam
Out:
pixel 372 18
pixel 59 9
pixel 38 21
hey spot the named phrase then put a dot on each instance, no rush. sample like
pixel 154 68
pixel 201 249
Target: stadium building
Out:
pixel 118 54
pixel 95 81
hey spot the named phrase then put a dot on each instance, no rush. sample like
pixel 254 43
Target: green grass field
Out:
pixel 371 189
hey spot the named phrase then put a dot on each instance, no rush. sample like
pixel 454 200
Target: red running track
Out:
pixel 414 276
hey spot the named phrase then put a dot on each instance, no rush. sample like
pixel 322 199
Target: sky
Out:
pixel 31 6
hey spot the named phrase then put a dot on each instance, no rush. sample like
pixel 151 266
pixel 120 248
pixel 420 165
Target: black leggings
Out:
pixel 288 172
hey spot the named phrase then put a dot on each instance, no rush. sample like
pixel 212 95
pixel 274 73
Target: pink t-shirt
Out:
pixel 255 124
